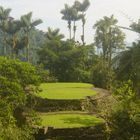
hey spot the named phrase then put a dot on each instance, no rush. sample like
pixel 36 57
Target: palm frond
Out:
pixel 36 22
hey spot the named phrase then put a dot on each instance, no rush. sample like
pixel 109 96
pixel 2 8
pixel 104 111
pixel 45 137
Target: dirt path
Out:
pixel 101 93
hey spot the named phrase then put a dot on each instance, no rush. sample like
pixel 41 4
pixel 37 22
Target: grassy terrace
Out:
pixel 66 90
pixel 69 120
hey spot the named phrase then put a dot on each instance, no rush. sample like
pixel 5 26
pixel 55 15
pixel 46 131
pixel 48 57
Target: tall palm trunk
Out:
pixel 27 48
pixel 14 47
pixel 83 36
pixel 74 30
pixel 4 45
pixel 110 56
pixel 83 29
pixel 69 26
pixel 110 50
pixel 4 40
pixel 28 53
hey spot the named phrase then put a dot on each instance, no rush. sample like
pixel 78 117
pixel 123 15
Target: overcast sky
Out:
pixel 49 12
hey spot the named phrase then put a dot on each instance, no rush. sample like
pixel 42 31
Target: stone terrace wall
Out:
pixel 48 105
pixel 84 133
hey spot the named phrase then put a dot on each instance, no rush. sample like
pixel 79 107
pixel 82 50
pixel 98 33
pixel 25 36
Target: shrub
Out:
pixel 18 81
pixel 123 116
pixel 102 76
pixel 45 75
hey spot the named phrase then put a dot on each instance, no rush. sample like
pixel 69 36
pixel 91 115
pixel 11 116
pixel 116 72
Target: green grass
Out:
pixel 66 90
pixel 69 120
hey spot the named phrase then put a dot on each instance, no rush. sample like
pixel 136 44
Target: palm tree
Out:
pixel 4 16
pixel 134 27
pixel 54 34
pixel 54 39
pixel 75 17
pixel 82 7
pixel 67 13
pixel 127 65
pixel 27 26
pixel 12 27
pixel 83 29
pixel 108 37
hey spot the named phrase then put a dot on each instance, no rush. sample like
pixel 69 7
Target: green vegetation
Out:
pixel 66 90
pixel 16 34
pixel 67 61
pixel 18 83
pixel 121 113
pixel 69 120
pixel 73 14
pixel 105 63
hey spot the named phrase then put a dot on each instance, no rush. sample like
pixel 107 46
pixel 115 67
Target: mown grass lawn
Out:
pixel 69 120
pixel 66 90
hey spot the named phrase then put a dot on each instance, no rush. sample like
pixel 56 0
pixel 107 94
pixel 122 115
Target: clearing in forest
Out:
pixel 69 120
pixel 66 90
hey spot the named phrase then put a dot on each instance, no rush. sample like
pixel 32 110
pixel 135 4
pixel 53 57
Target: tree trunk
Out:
pixel 28 53
pixel 110 51
pixel 69 26
pixel 27 48
pixel 14 47
pixel 83 28
pixel 74 31
pixel 4 45
pixel 83 39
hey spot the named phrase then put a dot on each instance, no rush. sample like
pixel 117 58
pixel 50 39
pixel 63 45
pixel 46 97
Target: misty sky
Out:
pixel 49 11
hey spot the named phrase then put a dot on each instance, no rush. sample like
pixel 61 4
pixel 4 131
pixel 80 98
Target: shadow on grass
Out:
pixel 81 121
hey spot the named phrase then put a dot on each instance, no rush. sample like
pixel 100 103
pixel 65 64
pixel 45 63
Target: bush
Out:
pixel 123 117
pixel 45 75
pixel 18 81
pixel 102 76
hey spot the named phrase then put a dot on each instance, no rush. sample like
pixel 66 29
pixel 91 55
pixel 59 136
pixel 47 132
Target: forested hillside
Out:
pixel 51 85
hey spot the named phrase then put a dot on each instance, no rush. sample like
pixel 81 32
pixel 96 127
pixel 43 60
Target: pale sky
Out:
pixel 49 12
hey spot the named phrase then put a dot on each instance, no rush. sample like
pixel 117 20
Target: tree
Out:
pixel 75 17
pixel 48 54
pixel 124 114
pixel 28 25
pixel 101 76
pixel 67 15
pixel 4 17
pixel 136 26
pixel 18 82
pixel 37 40
pixel 53 35
pixel 128 66
pixel 109 38
pixel 53 39
pixel 67 61
pixel 127 62
pixel 82 7
pixel 15 35
pixel 12 28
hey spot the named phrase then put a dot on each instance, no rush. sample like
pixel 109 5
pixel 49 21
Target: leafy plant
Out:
pixel 18 81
